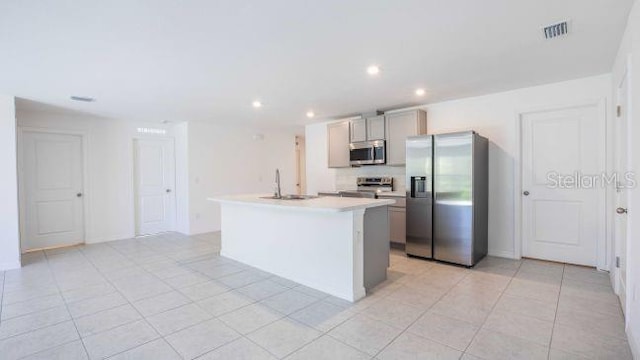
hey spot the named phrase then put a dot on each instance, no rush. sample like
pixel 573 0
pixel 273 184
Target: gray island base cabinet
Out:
pixel 397 221
pixel 376 246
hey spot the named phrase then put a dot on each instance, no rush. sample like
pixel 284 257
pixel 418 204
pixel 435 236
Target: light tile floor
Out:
pixel 173 297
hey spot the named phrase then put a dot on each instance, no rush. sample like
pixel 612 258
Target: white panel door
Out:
pixel 562 220
pixel 155 184
pixel 52 189
pixel 622 186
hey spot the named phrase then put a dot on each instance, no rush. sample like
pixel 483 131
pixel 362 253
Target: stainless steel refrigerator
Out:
pixel 447 197
pixel 419 205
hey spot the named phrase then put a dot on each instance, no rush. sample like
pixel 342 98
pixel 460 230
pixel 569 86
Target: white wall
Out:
pixel 629 53
pixel 319 176
pixel 229 160
pixel 109 192
pixel 494 116
pixel 210 160
pixel 9 235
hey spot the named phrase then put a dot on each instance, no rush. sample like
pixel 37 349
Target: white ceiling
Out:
pixel 208 60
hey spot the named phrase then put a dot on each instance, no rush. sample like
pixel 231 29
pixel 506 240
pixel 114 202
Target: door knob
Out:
pixel 621 210
pixel 79 195
pixel 168 190
pixel 525 193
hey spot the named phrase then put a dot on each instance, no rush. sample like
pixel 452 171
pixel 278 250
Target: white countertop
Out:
pixel 326 203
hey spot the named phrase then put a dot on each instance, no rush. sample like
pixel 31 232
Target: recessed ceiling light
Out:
pixel 373 70
pixel 82 98
pixel 256 104
pixel 310 114
pixel 420 92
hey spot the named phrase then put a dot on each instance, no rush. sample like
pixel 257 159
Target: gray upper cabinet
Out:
pixel 399 126
pixel 375 128
pixel 368 129
pixel 338 144
pixel 358 130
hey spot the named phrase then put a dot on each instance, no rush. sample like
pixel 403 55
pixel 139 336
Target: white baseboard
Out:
pixel 204 232
pixel 108 238
pixel 503 254
pixel 10 265
pixel 634 343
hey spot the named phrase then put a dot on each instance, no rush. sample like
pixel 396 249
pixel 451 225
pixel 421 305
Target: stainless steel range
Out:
pixel 369 187
pixel 375 184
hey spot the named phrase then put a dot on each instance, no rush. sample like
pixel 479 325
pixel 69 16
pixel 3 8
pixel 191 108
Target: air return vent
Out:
pixel 82 98
pixel 556 30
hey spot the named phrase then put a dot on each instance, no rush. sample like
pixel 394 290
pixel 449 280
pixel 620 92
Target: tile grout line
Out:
pixel 163 337
pixel 245 336
pixel 143 318
pixel 555 317
pixel 191 302
pixel 37 328
pixel 60 292
pixel 492 308
pixel 66 306
pixel 363 311
pixel 422 314
pixel 124 297
pixel 109 281
pixel 267 350
pixel 173 289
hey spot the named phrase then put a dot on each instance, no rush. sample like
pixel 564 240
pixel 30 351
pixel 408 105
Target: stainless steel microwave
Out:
pixel 367 153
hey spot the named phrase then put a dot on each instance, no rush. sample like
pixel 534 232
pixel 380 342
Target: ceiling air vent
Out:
pixel 556 30
pixel 82 98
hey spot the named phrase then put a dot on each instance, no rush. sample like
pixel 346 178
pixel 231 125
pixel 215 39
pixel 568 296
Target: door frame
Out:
pixel 301 165
pixel 615 271
pixel 86 190
pixel 134 187
pixel 604 241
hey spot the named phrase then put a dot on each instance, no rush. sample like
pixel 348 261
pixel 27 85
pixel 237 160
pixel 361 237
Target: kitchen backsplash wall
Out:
pixel 346 177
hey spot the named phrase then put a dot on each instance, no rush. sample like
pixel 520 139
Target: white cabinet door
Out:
pixel 338 143
pixel 358 130
pixel 155 185
pixel 562 219
pixel 375 128
pixel 399 127
pixel 54 211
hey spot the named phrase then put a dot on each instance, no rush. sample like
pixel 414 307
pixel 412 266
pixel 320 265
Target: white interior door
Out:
pixel 563 197
pixel 155 184
pixel 52 190
pixel 622 184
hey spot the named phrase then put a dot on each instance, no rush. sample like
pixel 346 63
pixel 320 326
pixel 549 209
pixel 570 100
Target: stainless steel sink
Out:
pixel 290 197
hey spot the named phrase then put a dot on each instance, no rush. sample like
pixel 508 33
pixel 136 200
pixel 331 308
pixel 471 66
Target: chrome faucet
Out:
pixel 278 193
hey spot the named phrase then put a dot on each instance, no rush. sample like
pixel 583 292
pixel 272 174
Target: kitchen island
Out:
pixel 339 246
